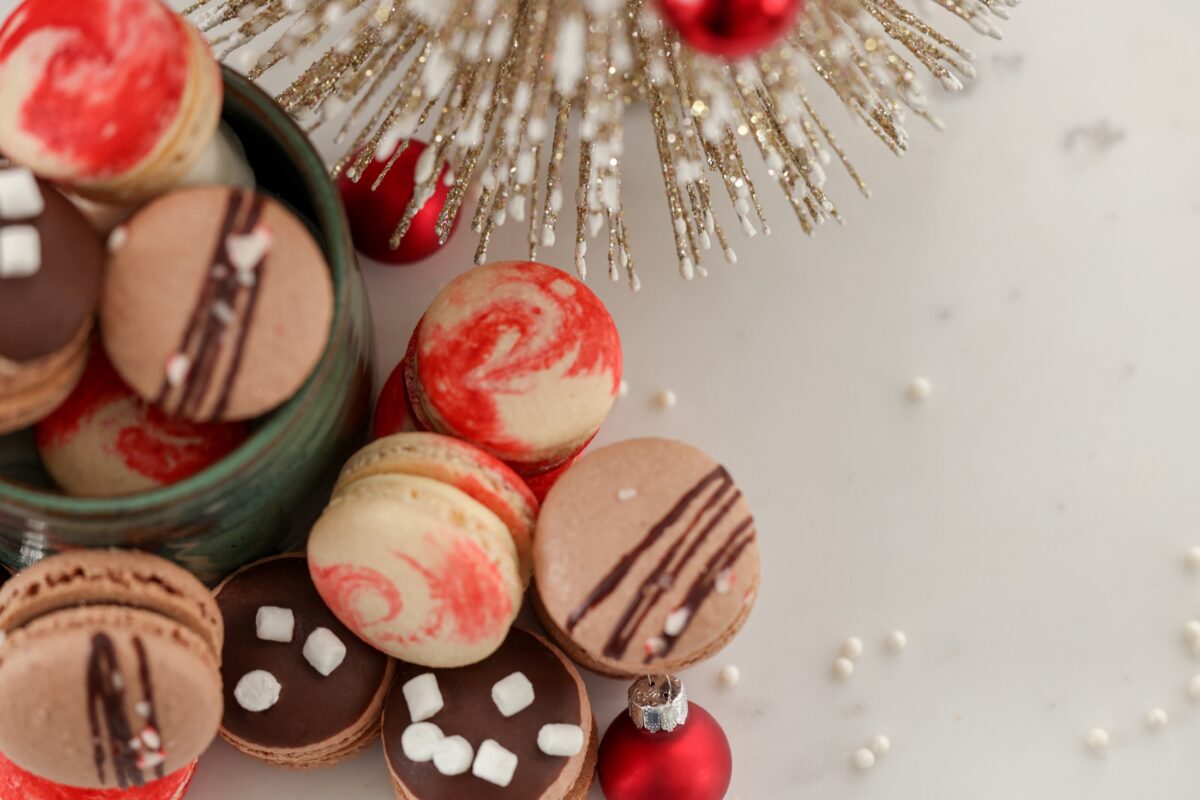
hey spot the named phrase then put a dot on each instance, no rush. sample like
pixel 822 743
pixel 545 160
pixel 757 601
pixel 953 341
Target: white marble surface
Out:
pixel 1027 524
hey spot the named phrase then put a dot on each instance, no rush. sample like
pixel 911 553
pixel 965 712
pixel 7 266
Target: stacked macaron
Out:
pixel 213 301
pixel 517 358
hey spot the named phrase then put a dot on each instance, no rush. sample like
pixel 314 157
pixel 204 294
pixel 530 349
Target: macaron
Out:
pixel 276 623
pixel 414 565
pixel 646 558
pixel 458 464
pixel 217 304
pixel 516 725
pixel 109 669
pixel 116 98
pixel 17 783
pixel 105 441
pixel 518 358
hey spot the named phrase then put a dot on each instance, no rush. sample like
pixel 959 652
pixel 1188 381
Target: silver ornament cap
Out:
pixel 658 703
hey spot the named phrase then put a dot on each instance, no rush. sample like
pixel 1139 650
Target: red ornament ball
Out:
pixel 692 762
pixel 374 215
pixel 731 28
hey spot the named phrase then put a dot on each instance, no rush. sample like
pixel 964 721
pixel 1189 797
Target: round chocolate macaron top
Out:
pixel 312 709
pixel 469 711
pixel 217 305
pixel 645 556
pixel 50 268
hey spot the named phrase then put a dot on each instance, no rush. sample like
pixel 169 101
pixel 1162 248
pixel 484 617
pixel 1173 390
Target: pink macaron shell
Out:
pixel 87 89
pixel 518 358
pixel 17 784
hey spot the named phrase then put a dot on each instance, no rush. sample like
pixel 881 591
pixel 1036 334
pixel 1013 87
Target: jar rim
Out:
pixel 330 219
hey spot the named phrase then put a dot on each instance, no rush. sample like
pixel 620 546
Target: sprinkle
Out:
pixel 224 312
pixel 1156 719
pixel 919 390
pixel 150 738
pixel 143 709
pixel 852 648
pixel 897 641
pixel 729 675
pixel 843 668
pixel 665 399
pixel 178 367
pixel 724 581
pixel 1097 740
pixel 654 646
pixel 148 761
pixel 625 495
pixel 880 745
pixel 864 759
pixel 118 238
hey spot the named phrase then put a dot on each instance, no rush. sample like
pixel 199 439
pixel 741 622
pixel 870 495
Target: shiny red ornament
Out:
pixel 692 762
pixel 374 215
pixel 731 28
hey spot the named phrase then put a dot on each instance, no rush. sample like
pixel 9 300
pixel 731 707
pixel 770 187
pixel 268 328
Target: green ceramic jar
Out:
pixel 264 496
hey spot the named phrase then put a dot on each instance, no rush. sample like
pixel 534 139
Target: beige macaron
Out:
pixel 109 669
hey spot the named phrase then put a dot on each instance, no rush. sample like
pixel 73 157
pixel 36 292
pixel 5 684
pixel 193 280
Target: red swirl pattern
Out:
pixel 347 588
pixel 113 84
pixel 507 341
pixel 17 783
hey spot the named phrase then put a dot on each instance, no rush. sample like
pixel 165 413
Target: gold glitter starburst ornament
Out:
pixel 498 86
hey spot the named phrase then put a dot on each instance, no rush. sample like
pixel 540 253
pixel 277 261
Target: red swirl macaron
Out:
pixel 17 784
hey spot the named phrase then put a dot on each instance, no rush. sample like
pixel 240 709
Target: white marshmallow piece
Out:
pixel 274 624
pixel 423 697
pixel 257 691
pixel 20 251
pixel 453 755
pixel 324 651
pixel 20 197
pixel 513 694
pixel 494 764
pixel 560 740
pixel 420 740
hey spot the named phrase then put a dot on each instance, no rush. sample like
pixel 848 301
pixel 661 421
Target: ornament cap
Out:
pixel 658 703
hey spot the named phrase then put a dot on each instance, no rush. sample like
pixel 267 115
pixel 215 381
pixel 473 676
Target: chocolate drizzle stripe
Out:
pixel 609 583
pixel 106 714
pixel 148 693
pixel 655 586
pixel 239 349
pixel 706 582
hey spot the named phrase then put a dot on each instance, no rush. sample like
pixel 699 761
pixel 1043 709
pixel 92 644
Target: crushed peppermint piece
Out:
pixel 224 312
pixel 178 367
pixel 655 646
pixel 247 250
pixel 677 620
pixel 724 581
pixel 118 239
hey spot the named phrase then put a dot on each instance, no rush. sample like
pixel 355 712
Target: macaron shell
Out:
pixel 518 358
pixel 417 569
pixel 281 324
pixel 463 466
pixel 121 577
pixel 17 783
pixel 600 560
pixel 34 401
pixel 47 667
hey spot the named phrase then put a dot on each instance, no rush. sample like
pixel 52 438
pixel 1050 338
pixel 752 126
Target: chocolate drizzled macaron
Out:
pixel 217 304
pixel 50 271
pixel 109 669
pixel 515 726
pixel 646 558
pixel 271 612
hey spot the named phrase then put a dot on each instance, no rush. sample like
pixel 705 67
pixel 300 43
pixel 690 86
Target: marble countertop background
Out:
pixel 1025 525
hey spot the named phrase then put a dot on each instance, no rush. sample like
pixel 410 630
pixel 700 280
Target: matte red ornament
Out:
pixel 731 28
pixel 691 761
pixel 374 215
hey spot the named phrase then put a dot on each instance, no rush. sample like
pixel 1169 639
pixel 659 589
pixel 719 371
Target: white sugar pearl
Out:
pixel 494 764
pixel 1157 719
pixel 453 755
pixel 1097 740
pixel 880 745
pixel 864 759
pixel 257 691
pixel 274 624
pixel 513 694
pixel 897 641
pixel 324 651
pixel 730 675
pixel 919 390
pixel 852 648
pixel 843 668
pixel 622 388
pixel 1192 559
pixel 1191 631
pixel 562 741
pixel 423 697
pixel 419 740
pixel 666 399
pixel 1194 688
